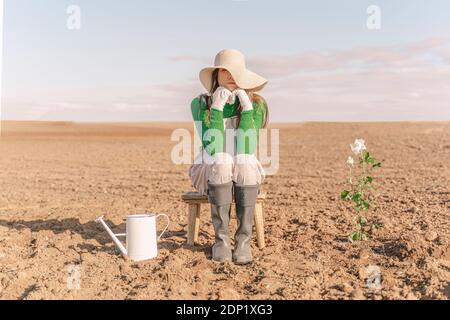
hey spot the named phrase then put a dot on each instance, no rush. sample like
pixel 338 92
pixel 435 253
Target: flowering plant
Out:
pixel 359 185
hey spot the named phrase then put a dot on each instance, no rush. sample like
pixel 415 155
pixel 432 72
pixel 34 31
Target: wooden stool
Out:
pixel 195 200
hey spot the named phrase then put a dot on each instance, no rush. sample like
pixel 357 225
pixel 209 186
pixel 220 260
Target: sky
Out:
pixel 139 60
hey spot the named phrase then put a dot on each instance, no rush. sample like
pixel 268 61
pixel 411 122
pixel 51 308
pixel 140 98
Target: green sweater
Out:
pixel 246 139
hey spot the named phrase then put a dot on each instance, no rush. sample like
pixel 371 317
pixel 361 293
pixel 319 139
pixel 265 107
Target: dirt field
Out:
pixel 56 178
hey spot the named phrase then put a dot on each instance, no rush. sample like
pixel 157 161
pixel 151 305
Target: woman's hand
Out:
pixel 220 98
pixel 243 99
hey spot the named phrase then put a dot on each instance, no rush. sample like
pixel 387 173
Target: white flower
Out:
pixel 350 161
pixel 358 146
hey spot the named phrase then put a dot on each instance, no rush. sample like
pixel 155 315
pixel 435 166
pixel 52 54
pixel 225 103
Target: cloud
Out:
pixel 428 44
pixel 444 54
pixel 135 106
pixel 68 106
pixel 413 55
pixel 410 55
pixel 397 82
pixel 379 94
pixel 152 102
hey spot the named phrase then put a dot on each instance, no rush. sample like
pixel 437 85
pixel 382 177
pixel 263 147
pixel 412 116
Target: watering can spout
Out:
pixel 113 236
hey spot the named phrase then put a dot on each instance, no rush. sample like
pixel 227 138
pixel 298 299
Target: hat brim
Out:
pixel 245 79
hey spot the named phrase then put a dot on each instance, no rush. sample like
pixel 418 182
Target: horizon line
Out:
pixel 191 121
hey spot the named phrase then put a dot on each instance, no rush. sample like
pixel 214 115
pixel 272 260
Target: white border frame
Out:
pixel 1 61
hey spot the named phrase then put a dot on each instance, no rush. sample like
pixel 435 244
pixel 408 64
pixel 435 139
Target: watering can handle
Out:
pixel 168 221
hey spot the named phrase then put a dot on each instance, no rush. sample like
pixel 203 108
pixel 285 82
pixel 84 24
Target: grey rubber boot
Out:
pixel 220 196
pixel 245 197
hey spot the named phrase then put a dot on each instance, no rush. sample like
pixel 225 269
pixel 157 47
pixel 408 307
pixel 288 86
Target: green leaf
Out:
pixel 361 221
pixel 355 236
pixel 366 205
pixel 366 155
pixel 344 194
pixel 376 165
pixel 366 180
pixel 356 196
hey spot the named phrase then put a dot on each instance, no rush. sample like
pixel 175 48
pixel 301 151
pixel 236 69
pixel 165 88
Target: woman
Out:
pixel 228 161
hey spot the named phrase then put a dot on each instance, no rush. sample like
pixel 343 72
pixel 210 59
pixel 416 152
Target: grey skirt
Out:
pixel 221 168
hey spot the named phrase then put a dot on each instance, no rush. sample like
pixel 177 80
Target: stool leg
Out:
pixel 259 225
pixel 193 223
pixel 197 221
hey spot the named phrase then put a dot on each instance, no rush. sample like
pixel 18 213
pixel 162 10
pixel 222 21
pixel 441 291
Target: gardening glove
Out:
pixel 244 99
pixel 232 98
pixel 220 97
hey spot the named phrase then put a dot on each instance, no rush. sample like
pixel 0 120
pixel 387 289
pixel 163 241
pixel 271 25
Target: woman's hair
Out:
pixel 253 97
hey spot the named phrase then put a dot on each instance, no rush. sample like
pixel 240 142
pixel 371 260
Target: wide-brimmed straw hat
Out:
pixel 233 61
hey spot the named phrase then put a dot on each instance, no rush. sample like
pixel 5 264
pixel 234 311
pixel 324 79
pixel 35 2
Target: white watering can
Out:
pixel 140 236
